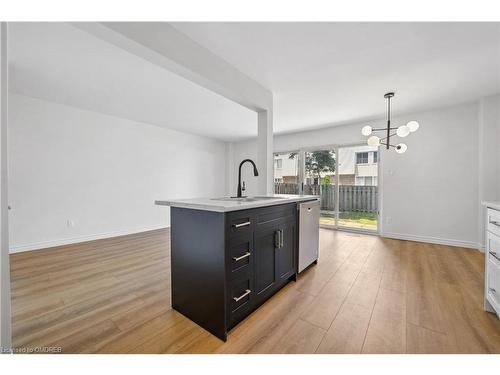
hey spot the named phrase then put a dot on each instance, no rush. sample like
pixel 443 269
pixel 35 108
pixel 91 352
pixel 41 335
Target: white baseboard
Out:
pixel 68 241
pixel 351 230
pixel 433 240
pixel 73 240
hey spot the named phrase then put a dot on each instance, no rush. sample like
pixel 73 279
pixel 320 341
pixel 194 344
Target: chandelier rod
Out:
pixel 392 135
pixel 388 145
pixel 384 129
pixel 388 119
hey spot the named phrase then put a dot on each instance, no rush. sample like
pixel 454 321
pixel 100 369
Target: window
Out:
pixel 375 156
pixel 279 163
pixel 366 181
pixel 361 157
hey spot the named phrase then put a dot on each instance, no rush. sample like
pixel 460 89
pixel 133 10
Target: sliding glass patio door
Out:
pixel 345 178
pixel 358 188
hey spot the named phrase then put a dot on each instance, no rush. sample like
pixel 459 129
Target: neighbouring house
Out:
pixel 358 165
pixel 286 168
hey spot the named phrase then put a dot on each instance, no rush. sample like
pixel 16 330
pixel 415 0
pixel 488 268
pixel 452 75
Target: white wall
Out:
pixel 430 193
pixel 489 154
pixel 101 172
pixel 241 151
pixel 5 323
pixel 489 138
pixel 260 150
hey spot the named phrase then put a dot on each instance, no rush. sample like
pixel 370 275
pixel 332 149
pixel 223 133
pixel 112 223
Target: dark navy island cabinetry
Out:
pixel 226 264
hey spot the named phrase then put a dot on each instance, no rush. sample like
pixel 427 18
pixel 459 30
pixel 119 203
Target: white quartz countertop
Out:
pixel 495 205
pixel 218 205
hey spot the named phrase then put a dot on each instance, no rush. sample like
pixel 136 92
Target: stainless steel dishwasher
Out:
pixel 308 233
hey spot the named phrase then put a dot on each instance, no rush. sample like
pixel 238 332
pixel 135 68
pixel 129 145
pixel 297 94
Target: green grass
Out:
pixel 352 219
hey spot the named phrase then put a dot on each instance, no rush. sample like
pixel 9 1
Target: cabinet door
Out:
pixel 285 253
pixel 265 267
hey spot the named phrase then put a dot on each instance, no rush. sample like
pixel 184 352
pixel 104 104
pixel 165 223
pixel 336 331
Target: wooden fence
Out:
pixel 351 198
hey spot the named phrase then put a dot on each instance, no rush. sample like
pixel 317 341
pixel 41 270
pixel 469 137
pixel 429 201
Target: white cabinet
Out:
pixel 492 262
pixel 493 221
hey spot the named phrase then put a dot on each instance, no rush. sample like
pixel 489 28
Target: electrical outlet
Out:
pixel 70 223
pixel 388 220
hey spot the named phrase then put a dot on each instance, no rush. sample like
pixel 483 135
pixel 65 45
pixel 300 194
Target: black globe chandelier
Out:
pixel 401 131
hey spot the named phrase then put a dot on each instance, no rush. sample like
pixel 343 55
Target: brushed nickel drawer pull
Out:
pixel 277 240
pixel 492 253
pixel 247 292
pixel 279 234
pixel 246 223
pixel 247 254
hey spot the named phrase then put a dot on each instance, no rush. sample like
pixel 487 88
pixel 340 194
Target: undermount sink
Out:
pixel 245 199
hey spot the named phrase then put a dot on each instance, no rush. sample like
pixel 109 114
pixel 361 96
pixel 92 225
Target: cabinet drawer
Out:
pixel 493 221
pixel 493 248
pixel 240 256
pixel 493 286
pixel 241 224
pixel 240 296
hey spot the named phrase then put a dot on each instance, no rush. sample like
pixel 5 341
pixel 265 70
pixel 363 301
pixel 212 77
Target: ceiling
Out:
pixel 63 64
pixel 330 73
pixel 320 73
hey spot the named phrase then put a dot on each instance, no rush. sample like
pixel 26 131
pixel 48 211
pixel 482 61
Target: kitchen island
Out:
pixel 229 255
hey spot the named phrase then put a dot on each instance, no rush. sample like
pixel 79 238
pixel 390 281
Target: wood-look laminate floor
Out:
pixel 366 295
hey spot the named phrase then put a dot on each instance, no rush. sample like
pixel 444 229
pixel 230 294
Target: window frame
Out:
pixel 361 153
